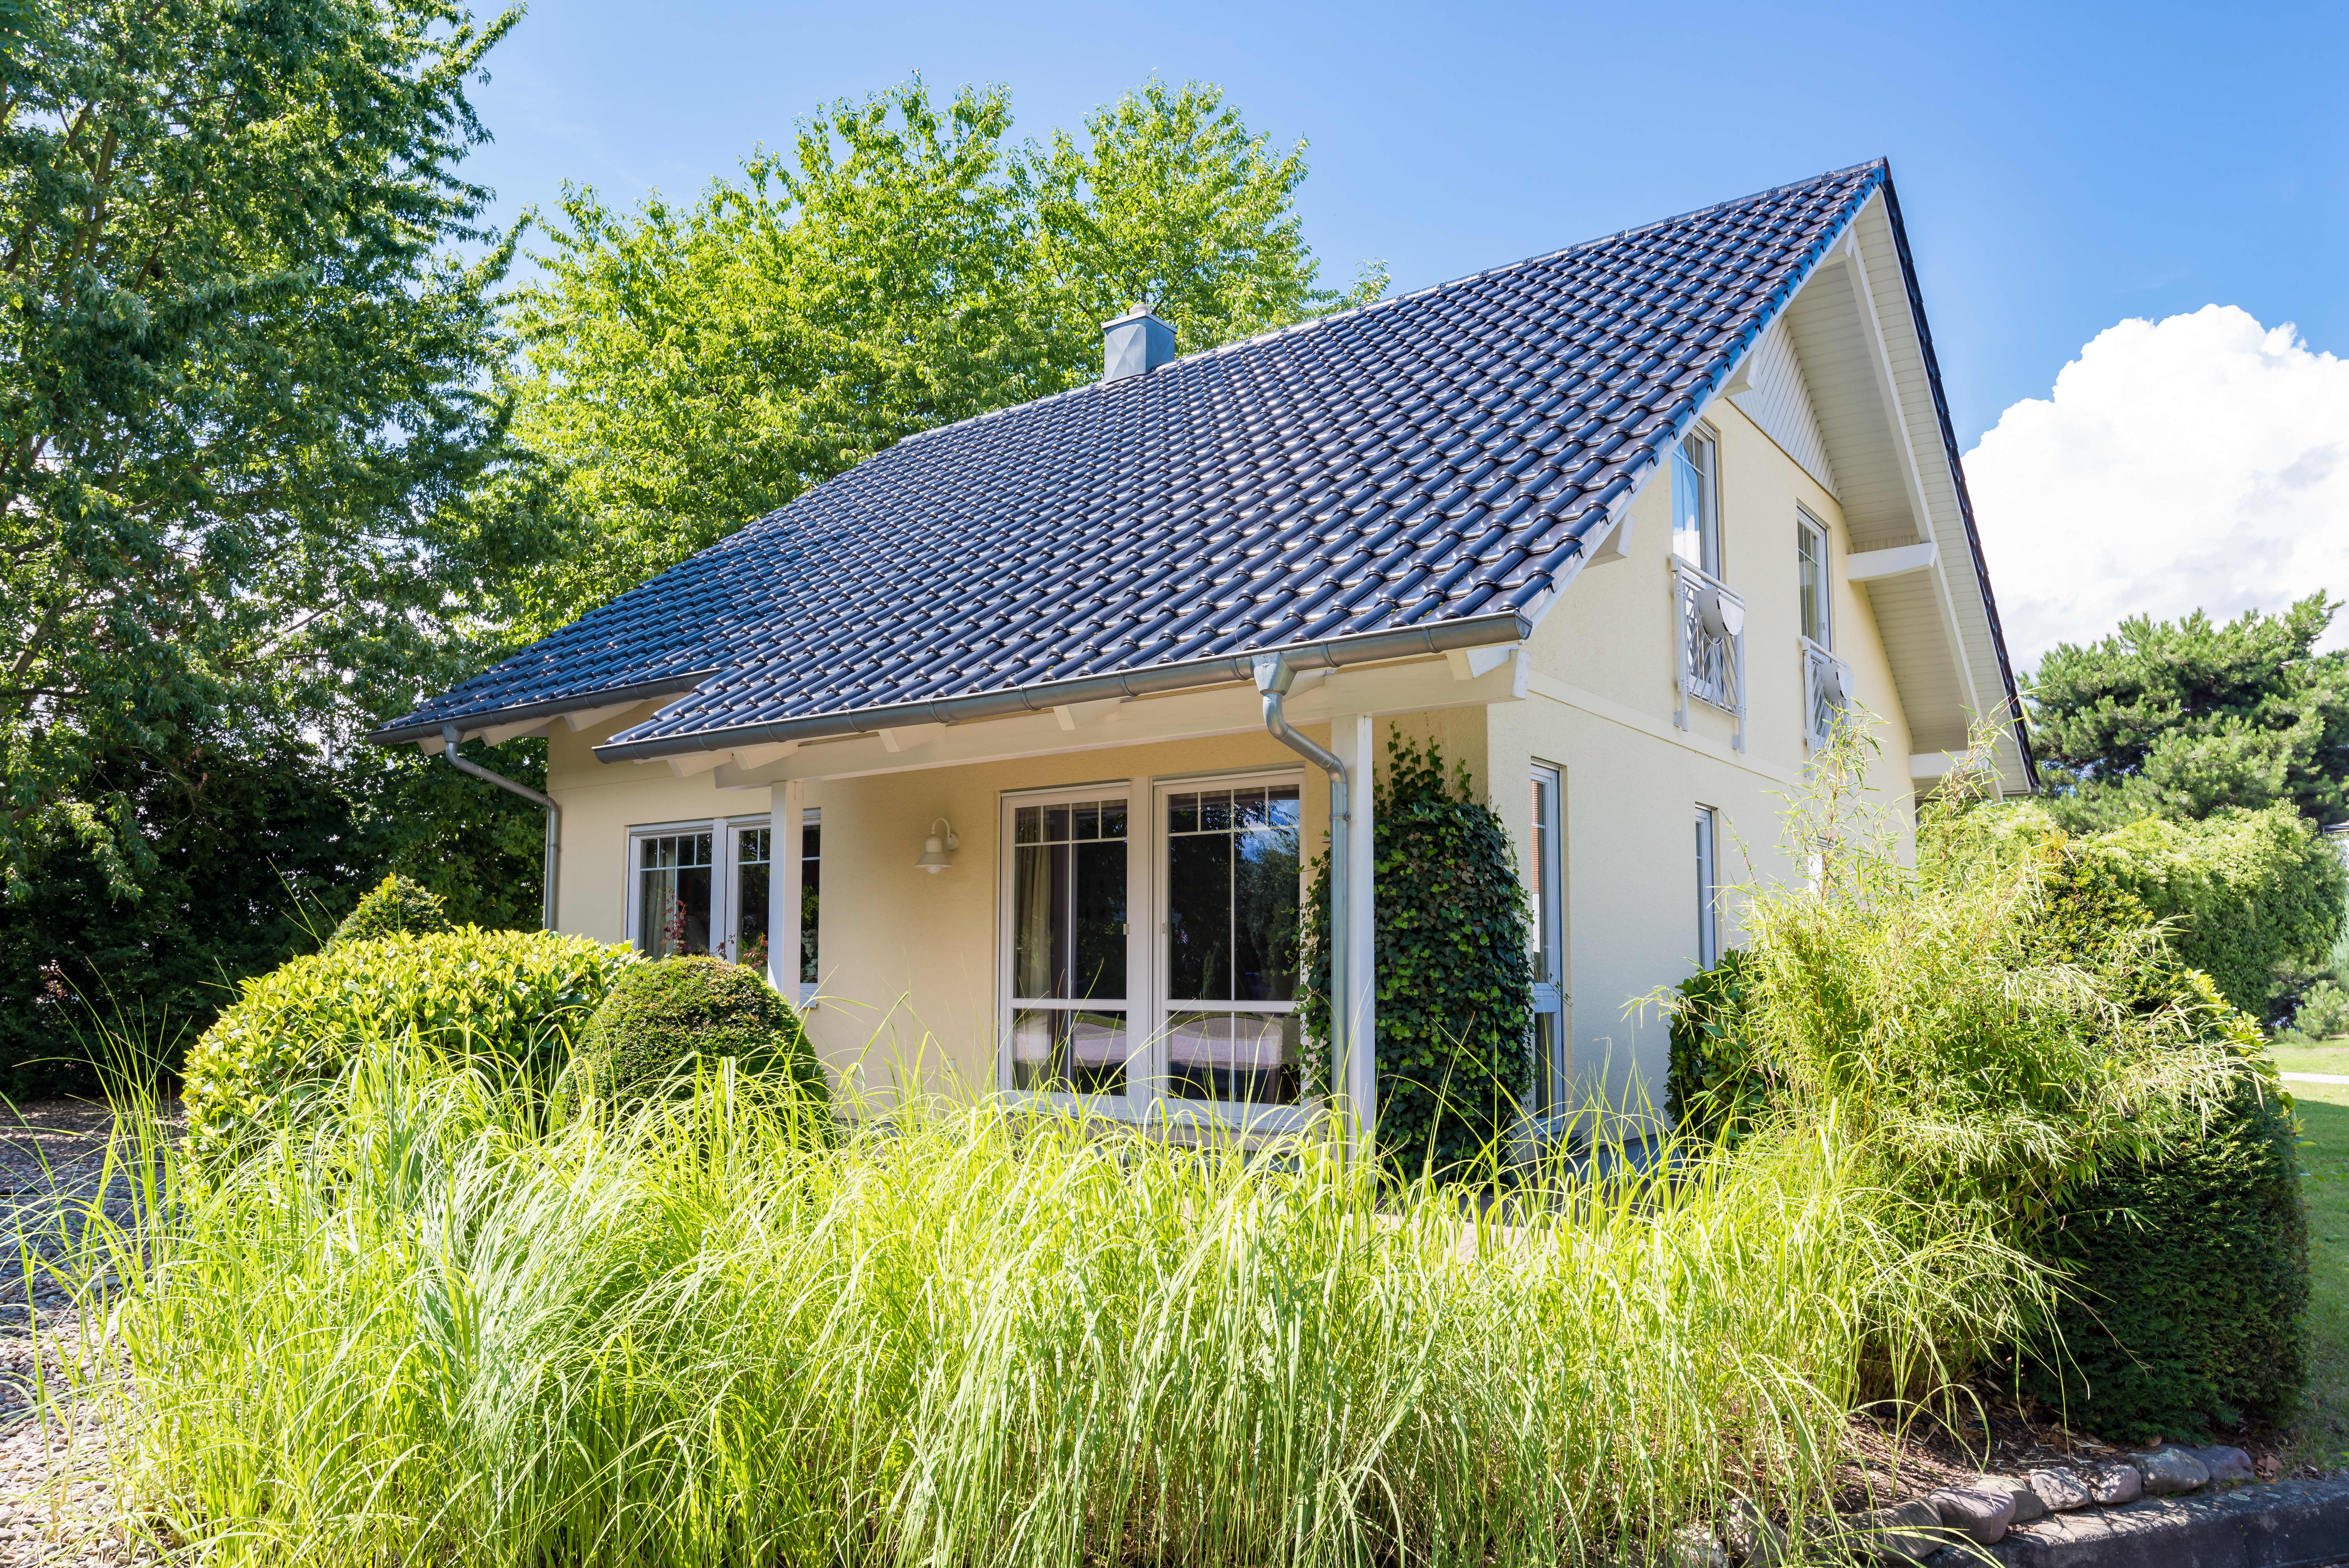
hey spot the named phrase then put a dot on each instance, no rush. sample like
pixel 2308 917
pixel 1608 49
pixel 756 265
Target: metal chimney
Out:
pixel 1134 343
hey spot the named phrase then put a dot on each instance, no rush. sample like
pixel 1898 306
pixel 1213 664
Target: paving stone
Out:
pixel 2028 1504
pixel 2061 1490
pixel 1756 1539
pixel 1981 1512
pixel 2227 1466
pixel 1908 1532
pixel 2114 1483
pixel 1695 1546
pixel 2169 1471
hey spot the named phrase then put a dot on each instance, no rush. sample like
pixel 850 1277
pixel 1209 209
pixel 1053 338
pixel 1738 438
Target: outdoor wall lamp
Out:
pixel 937 852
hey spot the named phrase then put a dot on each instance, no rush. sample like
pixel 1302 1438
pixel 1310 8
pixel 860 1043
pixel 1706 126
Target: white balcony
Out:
pixel 1826 694
pixel 1709 621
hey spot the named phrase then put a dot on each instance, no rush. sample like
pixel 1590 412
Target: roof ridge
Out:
pixel 1464 279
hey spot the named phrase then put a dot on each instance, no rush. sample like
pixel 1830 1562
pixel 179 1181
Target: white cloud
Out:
pixel 2199 462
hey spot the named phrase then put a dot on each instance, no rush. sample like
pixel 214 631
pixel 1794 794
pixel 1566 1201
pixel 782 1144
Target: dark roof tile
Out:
pixel 1424 459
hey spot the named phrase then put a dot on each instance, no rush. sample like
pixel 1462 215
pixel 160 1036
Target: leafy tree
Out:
pixel 247 408
pixel 692 368
pixel 2182 719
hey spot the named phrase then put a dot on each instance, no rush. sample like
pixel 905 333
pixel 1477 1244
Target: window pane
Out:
pixel 811 868
pixel 1199 917
pixel 1688 500
pixel 1029 825
pixel 1182 813
pixel 1283 806
pixel 1264 915
pixel 1235 1058
pixel 672 895
pixel 1068 1051
pixel 753 883
pixel 1056 824
pixel 1248 808
pixel 1101 920
pixel 1215 810
pixel 1039 952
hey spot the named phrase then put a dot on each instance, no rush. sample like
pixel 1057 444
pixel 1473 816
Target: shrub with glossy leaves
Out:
pixel 518 997
pixel 1455 972
pixel 397 906
pixel 659 1019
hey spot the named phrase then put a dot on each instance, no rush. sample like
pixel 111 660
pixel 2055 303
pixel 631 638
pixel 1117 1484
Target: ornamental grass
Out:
pixel 435 1329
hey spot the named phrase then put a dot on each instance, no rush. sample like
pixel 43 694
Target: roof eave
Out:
pixel 1333 653
pixel 552 707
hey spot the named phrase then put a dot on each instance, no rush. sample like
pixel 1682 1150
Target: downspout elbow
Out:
pixel 1273 678
pixel 546 803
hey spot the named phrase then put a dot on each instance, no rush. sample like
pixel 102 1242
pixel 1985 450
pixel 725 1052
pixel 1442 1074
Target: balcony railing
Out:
pixel 1826 694
pixel 1710 624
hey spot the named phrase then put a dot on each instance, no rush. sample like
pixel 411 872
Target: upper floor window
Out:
pixel 1811 553
pixel 1696 502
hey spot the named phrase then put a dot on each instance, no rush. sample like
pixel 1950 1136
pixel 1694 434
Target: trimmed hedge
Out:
pixel 520 996
pixel 395 906
pixel 2191 1275
pixel 660 1018
pixel 1455 977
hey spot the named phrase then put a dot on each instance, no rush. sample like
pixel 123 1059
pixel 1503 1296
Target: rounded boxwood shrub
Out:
pixel 1455 977
pixel 2189 1276
pixel 394 907
pixel 660 1018
pixel 521 996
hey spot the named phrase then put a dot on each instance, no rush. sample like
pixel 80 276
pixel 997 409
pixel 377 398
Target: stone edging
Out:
pixel 2279 1524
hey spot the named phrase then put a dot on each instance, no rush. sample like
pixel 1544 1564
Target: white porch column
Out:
pixel 790 799
pixel 1351 736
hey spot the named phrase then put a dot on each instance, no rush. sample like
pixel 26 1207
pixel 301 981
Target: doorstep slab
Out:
pixel 2282 1525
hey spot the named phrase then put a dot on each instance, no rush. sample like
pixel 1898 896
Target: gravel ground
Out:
pixel 57 1492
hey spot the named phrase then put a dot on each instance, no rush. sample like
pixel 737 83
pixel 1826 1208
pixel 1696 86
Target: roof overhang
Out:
pixel 503 724
pixel 1046 697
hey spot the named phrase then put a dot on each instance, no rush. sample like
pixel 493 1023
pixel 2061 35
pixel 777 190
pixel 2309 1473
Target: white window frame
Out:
pixel 725 840
pixel 1807 526
pixel 1711 536
pixel 1146 1098
pixel 1708 887
pixel 1133 1104
pixel 1182 1109
pixel 1553 1084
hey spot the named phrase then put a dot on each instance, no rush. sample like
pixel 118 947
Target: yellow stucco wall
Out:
pixel 909 961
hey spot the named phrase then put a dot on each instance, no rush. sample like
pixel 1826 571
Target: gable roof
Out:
pixel 1425 471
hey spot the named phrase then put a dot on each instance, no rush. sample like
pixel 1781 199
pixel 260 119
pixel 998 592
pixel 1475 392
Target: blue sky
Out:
pixel 2062 168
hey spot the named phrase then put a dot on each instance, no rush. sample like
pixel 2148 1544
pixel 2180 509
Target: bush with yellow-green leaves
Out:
pixel 515 998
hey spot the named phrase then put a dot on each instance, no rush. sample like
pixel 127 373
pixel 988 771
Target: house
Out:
pixel 1039 713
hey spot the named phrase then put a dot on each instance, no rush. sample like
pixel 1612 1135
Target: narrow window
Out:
pixel 1811 552
pixel 1551 1068
pixel 1708 896
pixel 753 870
pixel 1696 503
pixel 1232 869
pixel 673 893
pixel 811 865
pixel 1068 947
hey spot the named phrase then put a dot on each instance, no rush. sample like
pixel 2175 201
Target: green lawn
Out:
pixel 2333 1057
pixel 2323 1436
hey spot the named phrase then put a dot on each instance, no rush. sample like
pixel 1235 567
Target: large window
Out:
pixel 1149 947
pixel 1068 1020
pixel 1811 555
pixel 1232 870
pixel 709 887
pixel 1696 502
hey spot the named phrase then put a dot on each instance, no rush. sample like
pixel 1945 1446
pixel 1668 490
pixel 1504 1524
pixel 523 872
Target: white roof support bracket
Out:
pixel 1879 565
pixel 906 737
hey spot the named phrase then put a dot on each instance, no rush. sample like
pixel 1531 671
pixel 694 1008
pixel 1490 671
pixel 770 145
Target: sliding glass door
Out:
pixel 1228 979
pixel 1071 1023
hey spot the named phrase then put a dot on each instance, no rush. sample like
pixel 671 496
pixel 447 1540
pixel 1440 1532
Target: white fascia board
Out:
pixel 1876 565
pixel 1897 414
pixel 1411 686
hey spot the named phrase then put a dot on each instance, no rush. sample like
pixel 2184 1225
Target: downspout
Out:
pixel 1273 678
pixel 554 812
